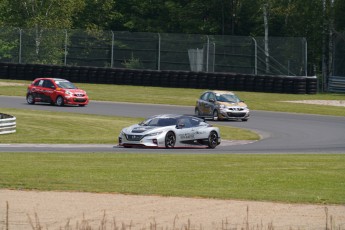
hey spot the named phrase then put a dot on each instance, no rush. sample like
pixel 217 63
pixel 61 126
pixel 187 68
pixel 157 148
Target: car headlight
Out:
pixel 154 134
pixel 68 92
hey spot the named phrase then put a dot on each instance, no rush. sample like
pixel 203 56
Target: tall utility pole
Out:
pixel 265 13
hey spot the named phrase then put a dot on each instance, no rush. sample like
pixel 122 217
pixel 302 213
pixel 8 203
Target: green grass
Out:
pixel 181 96
pixel 51 127
pixel 285 178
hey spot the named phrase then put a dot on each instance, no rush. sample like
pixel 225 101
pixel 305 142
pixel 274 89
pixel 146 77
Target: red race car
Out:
pixel 55 91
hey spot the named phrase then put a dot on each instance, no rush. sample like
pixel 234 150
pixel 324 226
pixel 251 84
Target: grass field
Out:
pixel 285 178
pixel 52 127
pixel 312 178
pixel 172 96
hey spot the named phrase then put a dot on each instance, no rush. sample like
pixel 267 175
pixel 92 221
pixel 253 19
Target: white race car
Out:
pixel 170 131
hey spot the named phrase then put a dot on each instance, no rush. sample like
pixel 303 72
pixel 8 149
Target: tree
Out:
pixel 38 18
pixel 39 13
pixel 339 19
pixel 99 15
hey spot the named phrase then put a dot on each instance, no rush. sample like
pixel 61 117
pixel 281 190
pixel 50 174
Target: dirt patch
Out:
pixel 55 210
pixel 2 83
pixel 321 102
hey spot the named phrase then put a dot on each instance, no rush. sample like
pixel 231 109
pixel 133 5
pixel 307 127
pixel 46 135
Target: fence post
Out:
pixel 20 47
pixel 306 57
pixel 112 49
pixel 208 52
pixel 66 40
pixel 255 56
pixel 159 52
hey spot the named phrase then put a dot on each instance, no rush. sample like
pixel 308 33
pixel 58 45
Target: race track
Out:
pixel 281 132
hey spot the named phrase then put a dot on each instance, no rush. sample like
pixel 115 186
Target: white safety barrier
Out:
pixel 7 124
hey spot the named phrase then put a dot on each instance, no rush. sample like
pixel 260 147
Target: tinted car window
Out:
pixel 227 98
pixel 160 122
pixel 48 84
pixel 38 83
pixel 212 96
pixel 204 96
pixel 65 84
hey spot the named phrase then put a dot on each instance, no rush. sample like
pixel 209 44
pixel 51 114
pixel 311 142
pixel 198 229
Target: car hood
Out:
pixel 142 129
pixel 76 91
pixel 228 104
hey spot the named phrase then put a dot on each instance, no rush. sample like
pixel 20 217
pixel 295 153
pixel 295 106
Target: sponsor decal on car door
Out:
pixel 48 90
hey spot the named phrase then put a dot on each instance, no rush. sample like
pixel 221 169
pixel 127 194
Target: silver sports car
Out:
pixel 170 131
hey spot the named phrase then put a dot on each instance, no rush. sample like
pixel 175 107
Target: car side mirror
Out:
pixel 211 100
pixel 180 126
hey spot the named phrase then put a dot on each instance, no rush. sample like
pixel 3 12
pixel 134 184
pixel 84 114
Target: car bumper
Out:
pixel 235 115
pixel 152 142
pixel 76 100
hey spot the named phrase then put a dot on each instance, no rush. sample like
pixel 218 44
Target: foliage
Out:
pixel 133 63
pixel 311 19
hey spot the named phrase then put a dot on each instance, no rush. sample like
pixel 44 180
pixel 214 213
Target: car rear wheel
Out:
pixel 59 101
pixel 215 115
pixel 170 140
pixel 197 113
pixel 212 140
pixel 30 99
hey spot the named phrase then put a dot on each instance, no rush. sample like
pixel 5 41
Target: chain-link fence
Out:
pixel 155 51
pixel 336 81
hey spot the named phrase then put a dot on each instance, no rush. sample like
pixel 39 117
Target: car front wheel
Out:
pixel 197 113
pixel 215 115
pixel 212 140
pixel 59 101
pixel 30 99
pixel 170 140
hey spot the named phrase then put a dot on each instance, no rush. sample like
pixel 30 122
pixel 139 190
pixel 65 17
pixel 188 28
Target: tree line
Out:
pixel 316 20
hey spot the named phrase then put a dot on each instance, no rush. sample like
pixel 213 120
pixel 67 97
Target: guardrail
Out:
pixel 7 124
pixel 336 84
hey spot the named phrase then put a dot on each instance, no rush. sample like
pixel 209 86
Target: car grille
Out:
pixel 133 137
pixel 236 114
pixel 236 109
pixel 79 95
pixel 79 99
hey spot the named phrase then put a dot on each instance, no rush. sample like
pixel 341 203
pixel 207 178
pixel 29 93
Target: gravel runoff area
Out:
pixel 74 210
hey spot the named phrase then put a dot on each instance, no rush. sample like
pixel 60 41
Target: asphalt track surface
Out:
pixel 281 132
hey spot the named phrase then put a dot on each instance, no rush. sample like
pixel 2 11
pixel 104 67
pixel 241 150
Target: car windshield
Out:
pixel 65 84
pixel 161 122
pixel 227 98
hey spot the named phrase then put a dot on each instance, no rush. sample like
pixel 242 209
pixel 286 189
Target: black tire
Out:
pixel 170 140
pixel 215 115
pixel 196 112
pixel 81 105
pixel 212 140
pixel 245 119
pixel 59 101
pixel 30 99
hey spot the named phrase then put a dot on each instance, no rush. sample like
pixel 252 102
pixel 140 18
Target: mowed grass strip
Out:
pixel 188 97
pixel 284 178
pixel 57 128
